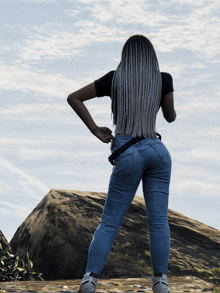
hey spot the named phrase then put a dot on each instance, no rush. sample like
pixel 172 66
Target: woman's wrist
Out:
pixel 94 130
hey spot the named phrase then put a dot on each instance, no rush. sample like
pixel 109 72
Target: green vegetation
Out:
pixel 216 279
pixel 217 272
pixel 14 269
pixel 147 253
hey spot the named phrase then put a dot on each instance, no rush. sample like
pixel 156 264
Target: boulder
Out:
pixel 58 232
pixel 4 242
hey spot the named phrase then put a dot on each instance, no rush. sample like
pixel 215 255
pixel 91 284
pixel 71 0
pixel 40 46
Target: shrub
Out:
pixel 13 269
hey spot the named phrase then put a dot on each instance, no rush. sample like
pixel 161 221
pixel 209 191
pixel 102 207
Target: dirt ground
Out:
pixel 132 285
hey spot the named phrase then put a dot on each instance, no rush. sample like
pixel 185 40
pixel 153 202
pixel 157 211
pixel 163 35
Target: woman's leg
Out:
pixel 119 198
pixel 156 192
pixel 157 205
pixel 123 184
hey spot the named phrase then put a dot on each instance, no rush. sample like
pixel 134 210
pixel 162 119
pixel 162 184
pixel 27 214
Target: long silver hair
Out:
pixel 136 89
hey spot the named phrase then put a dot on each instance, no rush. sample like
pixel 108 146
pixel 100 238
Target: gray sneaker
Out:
pixel 88 284
pixel 160 284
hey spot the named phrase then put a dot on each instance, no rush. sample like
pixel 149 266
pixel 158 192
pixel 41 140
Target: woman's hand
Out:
pixel 104 134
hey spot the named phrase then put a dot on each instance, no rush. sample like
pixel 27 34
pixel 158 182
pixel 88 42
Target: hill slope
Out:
pixel 58 232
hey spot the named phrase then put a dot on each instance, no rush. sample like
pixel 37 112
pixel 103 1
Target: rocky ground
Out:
pixel 132 285
pixel 58 233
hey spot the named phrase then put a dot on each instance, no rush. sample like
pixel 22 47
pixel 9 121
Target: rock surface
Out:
pixel 135 285
pixel 4 242
pixel 58 232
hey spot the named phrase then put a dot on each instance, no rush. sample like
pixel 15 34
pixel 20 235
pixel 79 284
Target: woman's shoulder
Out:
pixel 103 84
pixel 106 78
pixel 166 76
pixel 167 80
pixel 167 83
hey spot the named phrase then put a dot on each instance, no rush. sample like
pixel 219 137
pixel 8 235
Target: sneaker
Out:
pixel 160 284
pixel 88 284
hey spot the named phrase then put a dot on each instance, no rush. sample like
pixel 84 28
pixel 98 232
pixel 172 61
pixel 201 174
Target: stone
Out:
pixel 58 232
pixel 5 245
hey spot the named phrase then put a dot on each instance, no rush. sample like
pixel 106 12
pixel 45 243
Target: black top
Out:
pixel 103 85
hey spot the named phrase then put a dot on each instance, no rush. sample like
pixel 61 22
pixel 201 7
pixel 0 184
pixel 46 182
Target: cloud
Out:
pixel 127 12
pixel 52 113
pixel 194 2
pixel 200 185
pixel 37 113
pixel 21 77
pixel 42 154
pixel 200 106
pixel 8 141
pixel 195 176
pixel 51 41
pixel 203 154
pixel 45 42
pixel 3 187
pixel 41 1
pixel 29 179
pixel 12 209
pixel 196 30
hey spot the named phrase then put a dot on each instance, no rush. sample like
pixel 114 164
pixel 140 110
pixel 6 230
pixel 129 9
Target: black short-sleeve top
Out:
pixel 103 85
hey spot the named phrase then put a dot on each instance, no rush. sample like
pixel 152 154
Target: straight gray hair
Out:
pixel 136 89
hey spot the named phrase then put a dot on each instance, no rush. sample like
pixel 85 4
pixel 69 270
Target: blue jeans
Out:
pixel 150 161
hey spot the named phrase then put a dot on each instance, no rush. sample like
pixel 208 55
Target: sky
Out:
pixel 51 48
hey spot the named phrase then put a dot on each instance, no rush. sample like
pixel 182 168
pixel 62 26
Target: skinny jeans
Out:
pixel 149 161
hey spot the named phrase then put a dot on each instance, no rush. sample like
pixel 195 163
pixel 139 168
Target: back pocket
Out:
pixel 123 165
pixel 163 153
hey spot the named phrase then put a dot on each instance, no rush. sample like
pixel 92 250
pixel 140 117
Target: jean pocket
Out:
pixel 163 153
pixel 123 165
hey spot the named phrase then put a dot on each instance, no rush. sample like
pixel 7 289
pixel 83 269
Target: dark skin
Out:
pixel 88 92
pixel 76 100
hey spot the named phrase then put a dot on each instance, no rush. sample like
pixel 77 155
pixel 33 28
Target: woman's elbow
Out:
pixel 70 99
pixel 171 118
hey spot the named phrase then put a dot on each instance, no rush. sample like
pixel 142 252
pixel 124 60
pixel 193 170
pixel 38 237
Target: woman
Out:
pixel 137 89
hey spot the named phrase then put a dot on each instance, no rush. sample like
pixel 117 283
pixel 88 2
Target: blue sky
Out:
pixel 51 48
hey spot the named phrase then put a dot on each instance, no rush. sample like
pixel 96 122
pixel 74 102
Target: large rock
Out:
pixel 58 232
pixel 4 242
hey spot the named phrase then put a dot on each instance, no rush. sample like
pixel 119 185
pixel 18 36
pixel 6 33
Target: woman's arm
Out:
pixel 168 110
pixel 76 100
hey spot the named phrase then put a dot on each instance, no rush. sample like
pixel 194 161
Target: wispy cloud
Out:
pixel 10 208
pixel 37 113
pixel 21 77
pixel 4 187
pixel 42 154
pixel 168 30
pixel 193 177
pixel 41 1
pixel 7 141
pixel 54 41
pixel 29 179
pixel 112 21
pixel 52 113
pixel 46 42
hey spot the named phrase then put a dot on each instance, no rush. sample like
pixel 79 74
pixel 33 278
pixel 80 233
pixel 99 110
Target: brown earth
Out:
pixel 129 285
pixel 58 232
